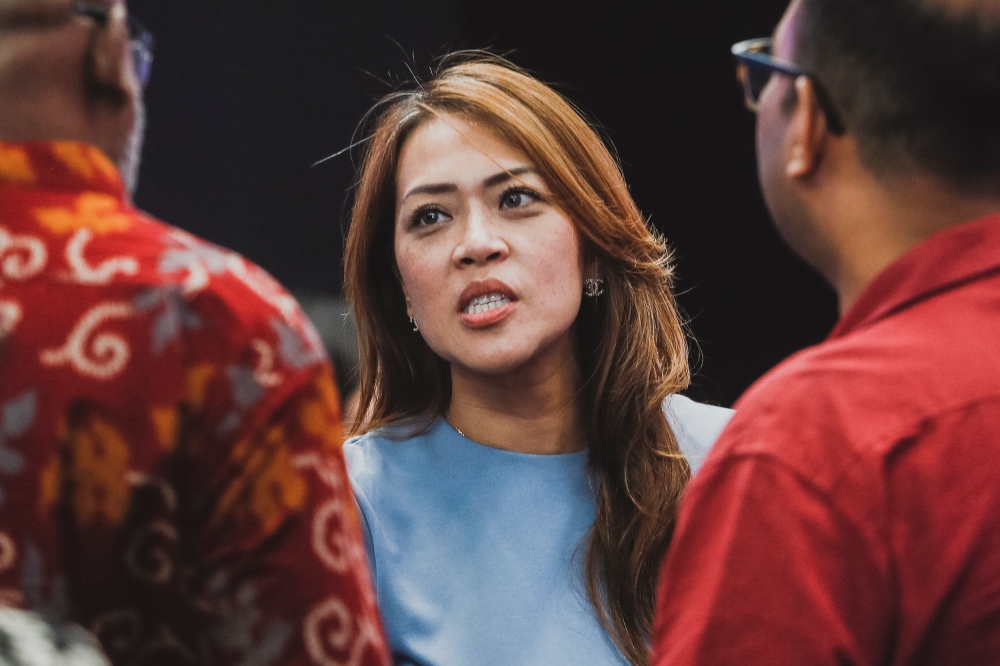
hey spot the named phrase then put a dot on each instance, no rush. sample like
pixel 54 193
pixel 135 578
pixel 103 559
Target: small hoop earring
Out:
pixel 593 287
pixel 413 320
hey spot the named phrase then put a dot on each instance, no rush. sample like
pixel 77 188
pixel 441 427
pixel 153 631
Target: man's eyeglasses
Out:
pixel 754 68
pixel 141 39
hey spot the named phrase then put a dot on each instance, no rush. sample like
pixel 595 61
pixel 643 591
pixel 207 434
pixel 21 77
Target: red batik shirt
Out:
pixel 171 474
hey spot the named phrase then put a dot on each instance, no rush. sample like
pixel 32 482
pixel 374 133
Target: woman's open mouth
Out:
pixel 486 303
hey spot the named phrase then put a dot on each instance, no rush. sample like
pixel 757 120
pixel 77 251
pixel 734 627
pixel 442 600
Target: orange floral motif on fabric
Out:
pixel 97 212
pixel 84 160
pixel 198 378
pixel 269 477
pixel 49 483
pixel 321 417
pixel 15 166
pixel 165 421
pixel 99 457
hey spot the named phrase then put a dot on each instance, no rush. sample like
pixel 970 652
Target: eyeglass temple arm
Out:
pixel 748 51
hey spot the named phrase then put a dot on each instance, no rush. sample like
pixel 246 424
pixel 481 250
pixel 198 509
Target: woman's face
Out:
pixel 492 271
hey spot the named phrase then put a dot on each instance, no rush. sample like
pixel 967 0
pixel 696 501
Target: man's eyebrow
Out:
pixel 492 181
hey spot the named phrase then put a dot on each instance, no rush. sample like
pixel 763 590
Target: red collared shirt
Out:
pixel 171 473
pixel 850 514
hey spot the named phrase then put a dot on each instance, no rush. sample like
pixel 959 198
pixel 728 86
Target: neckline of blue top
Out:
pixel 436 428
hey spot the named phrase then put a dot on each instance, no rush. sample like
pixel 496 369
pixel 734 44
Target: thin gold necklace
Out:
pixel 453 427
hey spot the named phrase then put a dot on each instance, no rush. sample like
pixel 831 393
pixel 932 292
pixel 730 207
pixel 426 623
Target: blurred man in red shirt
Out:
pixel 850 514
pixel 171 474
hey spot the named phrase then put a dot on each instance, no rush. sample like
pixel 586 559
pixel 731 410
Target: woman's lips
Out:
pixel 488 317
pixel 486 303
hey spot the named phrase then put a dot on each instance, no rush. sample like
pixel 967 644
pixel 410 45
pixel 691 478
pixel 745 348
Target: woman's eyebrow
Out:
pixel 438 188
pixel 506 175
pixel 492 181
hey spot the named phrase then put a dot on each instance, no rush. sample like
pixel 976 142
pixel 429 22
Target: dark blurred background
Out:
pixel 247 95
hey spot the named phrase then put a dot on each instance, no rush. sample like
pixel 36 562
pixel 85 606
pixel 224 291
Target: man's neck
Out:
pixel 533 409
pixel 880 225
pixel 40 117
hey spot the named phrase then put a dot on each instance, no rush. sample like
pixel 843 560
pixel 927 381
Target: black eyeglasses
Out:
pixel 755 67
pixel 141 39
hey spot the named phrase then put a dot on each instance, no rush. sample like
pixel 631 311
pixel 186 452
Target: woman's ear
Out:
pixel 589 262
pixel 402 286
pixel 406 297
pixel 591 269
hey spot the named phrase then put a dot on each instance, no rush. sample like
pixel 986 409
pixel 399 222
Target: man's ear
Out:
pixel 110 57
pixel 807 132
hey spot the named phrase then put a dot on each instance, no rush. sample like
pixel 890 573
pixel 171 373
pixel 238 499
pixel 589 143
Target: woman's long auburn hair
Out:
pixel 633 350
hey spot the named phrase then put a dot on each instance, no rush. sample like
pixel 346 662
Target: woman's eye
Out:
pixel 517 198
pixel 427 217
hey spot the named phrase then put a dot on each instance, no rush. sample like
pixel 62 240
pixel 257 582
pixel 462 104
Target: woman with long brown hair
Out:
pixel 516 470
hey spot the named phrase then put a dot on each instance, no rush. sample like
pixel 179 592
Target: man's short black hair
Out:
pixel 916 81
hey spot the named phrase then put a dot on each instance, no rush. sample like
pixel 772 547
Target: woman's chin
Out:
pixel 509 352
pixel 492 367
pixel 518 360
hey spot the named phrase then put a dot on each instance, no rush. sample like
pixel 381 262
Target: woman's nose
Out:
pixel 481 243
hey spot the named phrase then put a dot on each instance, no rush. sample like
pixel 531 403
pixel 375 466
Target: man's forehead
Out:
pixel 986 11
pixel 32 6
pixel 965 5
pixel 22 11
pixel 785 35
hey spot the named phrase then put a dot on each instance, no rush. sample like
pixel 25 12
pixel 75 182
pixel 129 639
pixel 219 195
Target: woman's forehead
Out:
pixel 453 147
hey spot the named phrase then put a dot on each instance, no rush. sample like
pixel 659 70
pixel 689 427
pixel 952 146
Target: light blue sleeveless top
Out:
pixel 477 553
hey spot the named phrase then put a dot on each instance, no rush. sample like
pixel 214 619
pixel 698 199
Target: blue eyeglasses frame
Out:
pixel 755 67
pixel 141 39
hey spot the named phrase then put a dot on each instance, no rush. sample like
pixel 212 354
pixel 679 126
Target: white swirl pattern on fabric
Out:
pixel 148 556
pixel 104 273
pixel 21 257
pixel 340 554
pixel 102 356
pixel 330 627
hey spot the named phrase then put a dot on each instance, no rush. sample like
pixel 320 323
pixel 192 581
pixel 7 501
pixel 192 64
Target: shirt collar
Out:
pixel 64 166
pixel 945 261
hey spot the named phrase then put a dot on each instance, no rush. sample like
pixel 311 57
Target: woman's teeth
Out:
pixel 487 303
